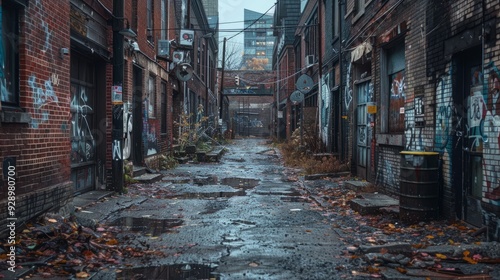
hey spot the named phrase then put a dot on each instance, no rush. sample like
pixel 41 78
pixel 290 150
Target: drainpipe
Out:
pixel 117 127
pixel 320 69
pixel 341 69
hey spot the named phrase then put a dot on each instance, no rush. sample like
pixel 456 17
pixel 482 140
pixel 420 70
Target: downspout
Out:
pixel 117 112
pixel 320 70
pixel 341 71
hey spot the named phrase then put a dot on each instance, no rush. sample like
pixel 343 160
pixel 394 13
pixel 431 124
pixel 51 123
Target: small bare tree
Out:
pixel 234 56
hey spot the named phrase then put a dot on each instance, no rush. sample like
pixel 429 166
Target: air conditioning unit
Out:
pixel 309 60
pixel 163 48
pixel 178 57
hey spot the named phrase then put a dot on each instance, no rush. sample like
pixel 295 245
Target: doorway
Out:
pixel 469 137
pixel 87 118
pixel 364 128
pixel 137 116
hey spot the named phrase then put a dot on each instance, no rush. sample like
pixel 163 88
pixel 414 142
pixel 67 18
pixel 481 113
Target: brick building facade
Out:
pixel 35 109
pixel 414 76
pixel 249 96
pixel 58 94
pixel 433 80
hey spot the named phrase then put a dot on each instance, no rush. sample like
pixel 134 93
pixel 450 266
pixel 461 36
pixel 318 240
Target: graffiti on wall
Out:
pixel 387 172
pixel 42 97
pixel 325 108
pixel 348 88
pixel 48 34
pixel 149 138
pixel 443 130
pixel 82 138
pixel 127 130
pixel 491 152
pixel 397 102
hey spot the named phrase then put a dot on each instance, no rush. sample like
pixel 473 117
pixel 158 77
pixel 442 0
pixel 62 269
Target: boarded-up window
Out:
pixel 397 87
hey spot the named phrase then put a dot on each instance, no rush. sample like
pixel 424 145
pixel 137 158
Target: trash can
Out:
pixel 419 186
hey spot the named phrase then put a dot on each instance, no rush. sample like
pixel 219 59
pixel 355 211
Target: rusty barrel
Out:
pixel 419 186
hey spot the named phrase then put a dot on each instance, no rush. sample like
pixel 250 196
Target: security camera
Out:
pixel 64 51
pixel 135 46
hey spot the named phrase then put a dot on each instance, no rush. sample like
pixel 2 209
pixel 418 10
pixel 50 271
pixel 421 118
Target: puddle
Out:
pixel 214 206
pixel 294 199
pixel 153 227
pixel 169 272
pixel 245 183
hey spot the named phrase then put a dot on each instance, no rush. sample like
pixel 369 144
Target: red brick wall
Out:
pixel 41 147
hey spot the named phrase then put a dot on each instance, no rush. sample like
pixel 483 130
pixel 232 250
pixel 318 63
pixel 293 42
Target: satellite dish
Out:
pixel 297 96
pixel 184 72
pixel 304 83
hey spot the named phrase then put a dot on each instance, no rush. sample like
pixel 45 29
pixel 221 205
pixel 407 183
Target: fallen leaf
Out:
pixel 441 256
pixel 82 274
pixel 112 242
pixel 469 260
pixel 401 270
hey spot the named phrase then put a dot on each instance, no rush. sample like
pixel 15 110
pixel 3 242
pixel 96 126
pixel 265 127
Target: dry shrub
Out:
pixel 327 164
pixel 302 156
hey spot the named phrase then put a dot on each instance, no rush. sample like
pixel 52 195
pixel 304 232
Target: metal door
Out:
pixel 470 88
pixel 83 143
pixel 364 128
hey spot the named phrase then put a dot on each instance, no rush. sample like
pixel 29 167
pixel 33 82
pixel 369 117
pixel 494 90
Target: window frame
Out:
pixel 385 77
pixel 151 96
pixel 10 50
pixel 150 20
pixel 163 109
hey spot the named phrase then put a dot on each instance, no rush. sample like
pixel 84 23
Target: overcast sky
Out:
pixel 232 11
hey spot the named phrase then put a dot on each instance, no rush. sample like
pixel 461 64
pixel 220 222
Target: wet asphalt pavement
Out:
pixel 245 217
pixel 249 217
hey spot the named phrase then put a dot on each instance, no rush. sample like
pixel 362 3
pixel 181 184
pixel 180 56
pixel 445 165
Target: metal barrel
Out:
pixel 419 186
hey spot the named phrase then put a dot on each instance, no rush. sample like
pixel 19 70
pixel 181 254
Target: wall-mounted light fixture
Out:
pixel 127 32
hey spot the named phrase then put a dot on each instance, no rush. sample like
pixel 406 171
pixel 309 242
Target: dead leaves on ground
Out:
pixel 60 247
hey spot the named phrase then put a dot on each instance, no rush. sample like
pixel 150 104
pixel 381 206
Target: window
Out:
pixel 336 16
pixel 149 18
pixel 359 8
pixel 395 87
pixel 311 36
pixel 9 54
pixel 164 19
pixel 198 57
pixel 163 107
pixel 151 97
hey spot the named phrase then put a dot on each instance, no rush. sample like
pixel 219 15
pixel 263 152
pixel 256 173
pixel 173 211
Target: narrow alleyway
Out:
pixel 245 217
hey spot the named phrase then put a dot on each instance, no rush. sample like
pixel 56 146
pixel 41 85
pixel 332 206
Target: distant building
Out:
pixel 258 39
pixel 212 11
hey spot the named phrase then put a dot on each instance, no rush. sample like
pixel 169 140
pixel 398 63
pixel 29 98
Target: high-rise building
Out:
pixel 258 40
pixel 212 11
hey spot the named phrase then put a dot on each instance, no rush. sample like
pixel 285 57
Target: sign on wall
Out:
pixel 186 38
